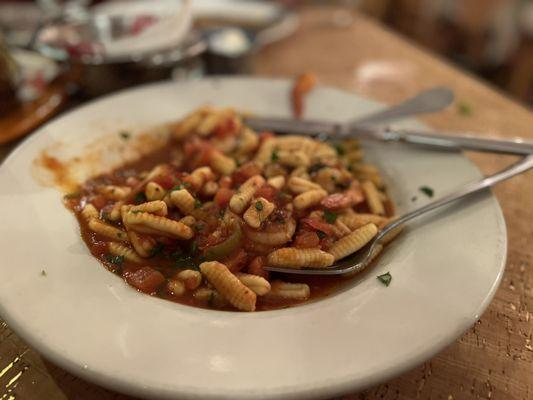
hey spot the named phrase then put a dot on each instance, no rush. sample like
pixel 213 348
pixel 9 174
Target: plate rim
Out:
pixel 333 388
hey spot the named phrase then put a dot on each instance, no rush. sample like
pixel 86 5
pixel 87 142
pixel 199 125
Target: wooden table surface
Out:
pixel 494 359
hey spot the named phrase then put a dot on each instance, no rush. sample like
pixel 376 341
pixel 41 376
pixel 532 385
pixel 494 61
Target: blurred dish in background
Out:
pixel 31 91
pixel 123 43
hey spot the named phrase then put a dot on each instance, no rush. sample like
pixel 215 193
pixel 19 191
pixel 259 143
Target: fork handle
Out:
pixel 519 167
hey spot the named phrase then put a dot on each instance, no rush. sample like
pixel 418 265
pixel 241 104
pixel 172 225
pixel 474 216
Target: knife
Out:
pixel 325 130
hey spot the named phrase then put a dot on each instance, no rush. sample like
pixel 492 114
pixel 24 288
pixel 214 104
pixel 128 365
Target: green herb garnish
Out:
pixel 125 135
pixel 340 149
pixel 158 248
pixel 136 211
pixel 140 198
pixel 320 234
pixel 258 206
pixel 43 273
pixel 211 299
pixel 194 247
pixel 315 167
pixel 73 195
pixel 221 213
pixel 115 260
pixel 330 217
pixel 464 108
pixel 427 191
pixel 183 262
pixel 385 278
pixel 274 156
pixel 197 204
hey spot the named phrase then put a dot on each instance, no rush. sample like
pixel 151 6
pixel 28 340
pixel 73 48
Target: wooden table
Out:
pixel 494 359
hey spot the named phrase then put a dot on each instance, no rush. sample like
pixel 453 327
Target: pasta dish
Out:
pixel 198 221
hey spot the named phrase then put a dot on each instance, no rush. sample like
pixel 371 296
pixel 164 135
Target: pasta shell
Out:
pixel 157 207
pixel 153 224
pixel 372 198
pixel 257 284
pixel 123 251
pixel 353 242
pixel 107 230
pixel 228 285
pixel 89 212
pixel 183 200
pixel 288 291
pixel 308 199
pixel 291 257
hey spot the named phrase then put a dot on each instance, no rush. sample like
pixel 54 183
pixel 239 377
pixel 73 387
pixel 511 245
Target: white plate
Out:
pixel 445 271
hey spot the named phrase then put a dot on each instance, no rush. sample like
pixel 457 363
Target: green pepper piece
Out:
pixel 224 249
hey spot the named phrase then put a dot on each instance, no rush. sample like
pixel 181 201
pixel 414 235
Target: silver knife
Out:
pixel 326 130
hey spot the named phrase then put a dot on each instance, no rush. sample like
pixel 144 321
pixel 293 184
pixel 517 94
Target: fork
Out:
pixel 361 259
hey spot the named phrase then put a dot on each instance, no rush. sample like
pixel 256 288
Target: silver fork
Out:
pixel 361 259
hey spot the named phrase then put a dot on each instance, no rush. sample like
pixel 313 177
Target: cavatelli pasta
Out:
pixel 113 192
pixel 240 200
pixel 299 185
pixel 143 245
pixel 284 290
pixel 228 285
pixel 277 181
pixel 183 200
pixel 155 225
pixel 190 122
pixel 89 212
pixel 199 177
pixel 248 141
pixel 372 198
pixel 259 285
pixel 291 257
pixel 156 207
pixel 354 220
pixel 308 199
pixel 353 242
pixel 221 163
pixel 210 189
pixel 259 210
pixel 107 230
pixel 123 251
pixel 191 279
pixel 154 191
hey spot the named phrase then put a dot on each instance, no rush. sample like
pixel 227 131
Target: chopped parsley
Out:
pixel 211 299
pixel 197 204
pixel 221 213
pixel 140 198
pixel 340 149
pixel 194 247
pixel 125 135
pixel 181 186
pixel 427 191
pixel 315 167
pixel 73 195
pixel 320 234
pixel 464 108
pixel 330 217
pixel 183 261
pixel 158 248
pixel 115 260
pixel 43 273
pixel 136 211
pixel 199 226
pixel 274 156
pixel 385 278
pixel 258 206
pixel 414 198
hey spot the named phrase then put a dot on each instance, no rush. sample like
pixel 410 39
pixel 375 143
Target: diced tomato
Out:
pixel 257 267
pixel 244 172
pixel 326 243
pixel 99 201
pixel 223 197
pixel 306 239
pixel 228 126
pixel 266 191
pixel 265 135
pixel 146 279
pixel 237 261
pixel 317 225
pixel 197 152
pixel 225 182
pixel 165 181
